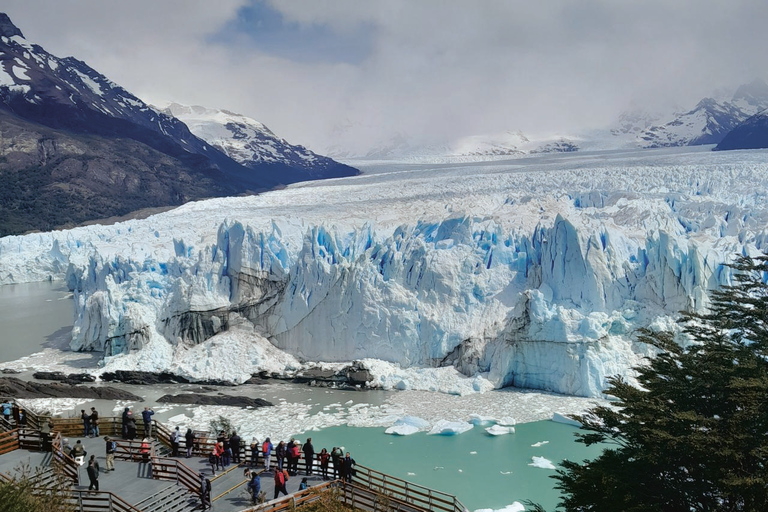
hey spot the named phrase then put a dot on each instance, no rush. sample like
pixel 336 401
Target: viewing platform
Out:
pixel 157 482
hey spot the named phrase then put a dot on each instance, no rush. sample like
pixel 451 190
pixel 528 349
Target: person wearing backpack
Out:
pixel 111 449
pixel 266 449
pixel 281 478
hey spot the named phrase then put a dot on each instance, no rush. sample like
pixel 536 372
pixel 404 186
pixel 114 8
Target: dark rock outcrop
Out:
pixel 353 376
pixel 16 388
pixel 196 399
pixel 137 378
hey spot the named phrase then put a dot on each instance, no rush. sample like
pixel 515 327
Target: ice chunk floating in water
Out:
pixel 499 430
pixel 450 428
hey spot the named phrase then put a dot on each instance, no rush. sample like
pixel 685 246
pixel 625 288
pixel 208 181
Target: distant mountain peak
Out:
pixel 7 28
pixel 754 93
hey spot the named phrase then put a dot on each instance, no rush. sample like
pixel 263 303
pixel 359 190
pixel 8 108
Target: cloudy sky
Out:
pixel 318 71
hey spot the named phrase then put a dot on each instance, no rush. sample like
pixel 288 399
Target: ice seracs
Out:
pixel 457 279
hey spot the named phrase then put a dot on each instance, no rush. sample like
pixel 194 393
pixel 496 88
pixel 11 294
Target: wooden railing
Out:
pixel 99 501
pixel 176 471
pixel 62 462
pixel 9 441
pixel 405 491
pixel 367 491
pixel 299 498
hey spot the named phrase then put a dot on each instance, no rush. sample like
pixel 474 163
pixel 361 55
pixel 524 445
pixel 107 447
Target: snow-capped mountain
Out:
pixel 528 274
pixel 67 93
pixel 252 144
pixel 751 134
pixel 77 147
pixel 709 121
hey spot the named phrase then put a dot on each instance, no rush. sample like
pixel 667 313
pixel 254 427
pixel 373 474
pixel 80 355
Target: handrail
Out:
pixel 366 479
pixel 179 473
pixel 406 491
pixel 9 441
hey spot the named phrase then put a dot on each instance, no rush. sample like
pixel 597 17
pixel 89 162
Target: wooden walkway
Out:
pixel 171 484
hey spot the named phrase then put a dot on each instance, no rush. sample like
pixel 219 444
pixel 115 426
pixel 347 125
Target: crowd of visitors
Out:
pixel 281 462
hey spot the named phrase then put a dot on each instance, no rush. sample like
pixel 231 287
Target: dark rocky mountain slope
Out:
pixel 76 146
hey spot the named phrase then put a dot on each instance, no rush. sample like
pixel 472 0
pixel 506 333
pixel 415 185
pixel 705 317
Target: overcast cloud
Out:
pixel 431 69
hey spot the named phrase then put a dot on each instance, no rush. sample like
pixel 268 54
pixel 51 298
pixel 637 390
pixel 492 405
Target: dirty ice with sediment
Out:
pixel 534 273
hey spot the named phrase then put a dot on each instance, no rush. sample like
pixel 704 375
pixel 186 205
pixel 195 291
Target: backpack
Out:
pixel 265 447
pixel 281 478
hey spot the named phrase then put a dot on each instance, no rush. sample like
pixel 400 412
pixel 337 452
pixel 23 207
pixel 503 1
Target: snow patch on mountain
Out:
pixel 246 140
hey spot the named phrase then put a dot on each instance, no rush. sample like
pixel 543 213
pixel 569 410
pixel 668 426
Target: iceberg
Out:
pixel 541 462
pixel 562 418
pixel 514 507
pixel 457 279
pixel 407 425
pixel 449 428
pixel 498 430
pixel 401 430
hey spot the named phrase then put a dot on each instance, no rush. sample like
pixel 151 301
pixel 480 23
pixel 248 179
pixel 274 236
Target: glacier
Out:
pixel 533 273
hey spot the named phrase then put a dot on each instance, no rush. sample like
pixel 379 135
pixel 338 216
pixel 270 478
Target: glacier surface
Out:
pixel 460 278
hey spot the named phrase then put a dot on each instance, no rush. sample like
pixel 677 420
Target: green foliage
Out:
pixel 221 423
pixel 21 494
pixel 693 437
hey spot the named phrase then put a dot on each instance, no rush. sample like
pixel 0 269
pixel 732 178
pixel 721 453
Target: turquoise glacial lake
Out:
pixel 483 471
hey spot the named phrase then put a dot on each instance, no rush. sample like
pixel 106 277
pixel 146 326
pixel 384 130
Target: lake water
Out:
pixel 33 316
pixel 483 471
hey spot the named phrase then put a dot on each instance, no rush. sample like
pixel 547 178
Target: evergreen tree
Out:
pixel 694 435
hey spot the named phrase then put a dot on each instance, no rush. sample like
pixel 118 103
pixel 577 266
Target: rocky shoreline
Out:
pixel 17 388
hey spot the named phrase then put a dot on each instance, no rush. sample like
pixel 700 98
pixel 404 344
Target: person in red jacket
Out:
pixel 281 478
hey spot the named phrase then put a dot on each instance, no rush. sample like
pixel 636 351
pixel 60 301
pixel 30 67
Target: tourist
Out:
pixel 213 459
pixel 254 452
pixel 175 441
pixel 6 411
pixel 93 473
pixel 309 455
pixel 347 470
pixel 16 414
pixel 146 415
pixel 205 492
pixel 126 414
pixel 78 451
pixel 303 484
pixel 223 440
pixel 280 454
pixel 111 448
pixel 336 456
pixel 94 420
pixel 293 465
pixel 130 427
pixel 86 422
pixel 234 446
pixel 281 478
pixel 189 439
pixel 324 458
pixel 145 449
pixel 266 449
pixel 254 487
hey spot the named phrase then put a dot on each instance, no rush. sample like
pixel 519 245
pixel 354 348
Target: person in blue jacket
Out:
pixel 254 486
